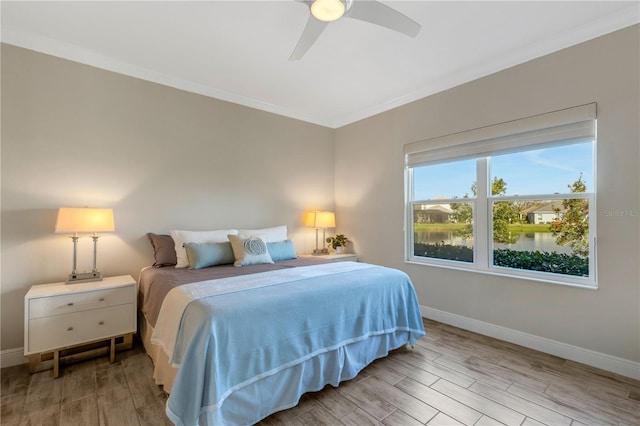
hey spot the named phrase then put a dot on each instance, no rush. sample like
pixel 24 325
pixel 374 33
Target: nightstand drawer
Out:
pixel 59 331
pixel 82 301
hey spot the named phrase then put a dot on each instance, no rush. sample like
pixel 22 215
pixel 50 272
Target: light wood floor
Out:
pixel 451 377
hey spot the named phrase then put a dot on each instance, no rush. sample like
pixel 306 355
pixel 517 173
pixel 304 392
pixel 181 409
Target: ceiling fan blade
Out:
pixel 383 15
pixel 311 32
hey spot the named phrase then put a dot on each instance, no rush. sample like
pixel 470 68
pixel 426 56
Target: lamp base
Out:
pixel 320 252
pixel 84 277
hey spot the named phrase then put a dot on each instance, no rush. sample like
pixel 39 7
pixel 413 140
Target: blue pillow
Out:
pixel 202 255
pixel 282 250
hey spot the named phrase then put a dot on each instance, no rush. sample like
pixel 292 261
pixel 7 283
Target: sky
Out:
pixel 544 171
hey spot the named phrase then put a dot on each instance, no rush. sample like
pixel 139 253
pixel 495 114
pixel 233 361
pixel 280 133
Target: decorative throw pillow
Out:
pixel 202 255
pixel 273 234
pixel 164 251
pixel 181 237
pixel 282 250
pixel 249 251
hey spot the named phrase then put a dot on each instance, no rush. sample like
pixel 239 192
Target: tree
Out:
pixel 571 225
pixel 503 214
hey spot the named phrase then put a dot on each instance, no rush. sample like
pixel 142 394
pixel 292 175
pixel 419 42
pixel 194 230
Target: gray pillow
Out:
pixel 164 251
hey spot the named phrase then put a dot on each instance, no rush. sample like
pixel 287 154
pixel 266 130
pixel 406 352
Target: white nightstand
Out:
pixel 62 319
pixel 344 257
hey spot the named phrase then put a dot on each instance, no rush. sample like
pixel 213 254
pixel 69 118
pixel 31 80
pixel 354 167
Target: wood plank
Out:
pixel 402 400
pixel 552 403
pixel 506 374
pixel 334 402
pixel 80 411
pixel 46 416
pixel 443 420
pixel 79 382
pixel 281 418
pixel 477 373
pixel 521 405
pixel 44 393
pixel 116 410
pixel 139 373
pixel 439 401
pixel 408 370
pixel 152 415
pixel 319 416
pixel 15 380
pixel 11 408
pixel 490 408
pixel 438 370
pixel 115 403
pixel 384 372
pixel 531 422
pixel 359 417
pixel 399 417
pixel 488 421
pixel 377 407
pixel 576 397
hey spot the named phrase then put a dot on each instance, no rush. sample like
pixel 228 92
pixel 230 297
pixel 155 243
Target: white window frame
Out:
pixel 558 128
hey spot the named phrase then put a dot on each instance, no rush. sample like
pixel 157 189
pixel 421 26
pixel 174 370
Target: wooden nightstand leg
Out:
pixel 112 350
pixel 56 364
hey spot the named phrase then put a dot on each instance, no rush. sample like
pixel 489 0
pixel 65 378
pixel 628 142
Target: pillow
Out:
pixel 282 250
pixel 249 251
pixel 202 255
pixel 181 237
pixel 164 251
pixel 276 233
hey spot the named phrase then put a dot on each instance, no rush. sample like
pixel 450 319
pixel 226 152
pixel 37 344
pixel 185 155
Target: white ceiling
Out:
pixel 239 50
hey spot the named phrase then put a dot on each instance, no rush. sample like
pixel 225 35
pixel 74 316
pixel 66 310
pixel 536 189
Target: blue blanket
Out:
pixel 234 339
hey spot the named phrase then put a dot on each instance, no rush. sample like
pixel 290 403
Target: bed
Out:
pixel 232 345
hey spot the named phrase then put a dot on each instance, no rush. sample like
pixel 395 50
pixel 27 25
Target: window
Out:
pixel 510 199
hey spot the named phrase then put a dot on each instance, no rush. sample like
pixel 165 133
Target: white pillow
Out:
pixel 271 235
pixel 249 251
pixel 181 237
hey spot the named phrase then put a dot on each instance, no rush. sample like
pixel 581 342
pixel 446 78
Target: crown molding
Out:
pixel 623 18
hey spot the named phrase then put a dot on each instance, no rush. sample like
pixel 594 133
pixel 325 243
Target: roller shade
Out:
pixel 567 126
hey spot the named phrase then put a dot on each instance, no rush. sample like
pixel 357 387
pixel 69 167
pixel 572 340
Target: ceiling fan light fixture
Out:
pixel 327 10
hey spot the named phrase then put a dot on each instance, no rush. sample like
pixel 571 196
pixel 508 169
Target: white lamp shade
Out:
pixel 84 220
pixel 322 219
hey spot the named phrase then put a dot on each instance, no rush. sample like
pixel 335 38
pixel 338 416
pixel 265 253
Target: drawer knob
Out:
pixel 69 328
pixel 101 323
pixel 101 299
pixel 70 304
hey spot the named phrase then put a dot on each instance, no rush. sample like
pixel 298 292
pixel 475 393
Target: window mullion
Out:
pixel 481 224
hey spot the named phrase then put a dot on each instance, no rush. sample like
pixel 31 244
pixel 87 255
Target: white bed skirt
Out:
pixel 251 403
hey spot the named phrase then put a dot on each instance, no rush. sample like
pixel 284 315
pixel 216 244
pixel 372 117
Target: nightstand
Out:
pixel 344 257
pixel 64 319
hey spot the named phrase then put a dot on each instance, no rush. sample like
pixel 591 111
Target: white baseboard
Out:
pixel 611 363
pixel 11 357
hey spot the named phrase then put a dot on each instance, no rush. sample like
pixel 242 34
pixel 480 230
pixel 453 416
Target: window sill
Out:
pixel 532 276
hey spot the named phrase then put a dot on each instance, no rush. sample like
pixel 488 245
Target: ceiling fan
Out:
pixel 322 12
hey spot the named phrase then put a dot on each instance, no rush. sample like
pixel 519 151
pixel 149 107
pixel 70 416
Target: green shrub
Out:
pixel 444 251
pixel 557 263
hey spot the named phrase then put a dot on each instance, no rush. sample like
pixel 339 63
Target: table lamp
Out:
pixel 84 221
pixel 321 220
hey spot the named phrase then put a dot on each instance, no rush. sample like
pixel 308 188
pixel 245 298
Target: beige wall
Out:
pixel 370 194
pixel 74 135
